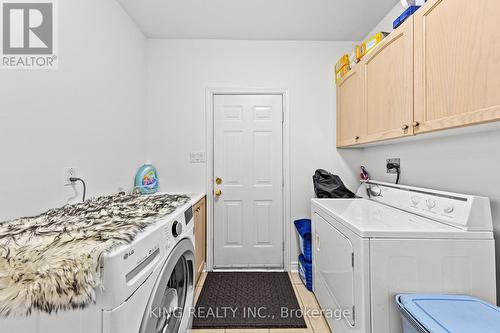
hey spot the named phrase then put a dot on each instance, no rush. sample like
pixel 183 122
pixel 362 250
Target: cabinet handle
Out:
pixel 356 138
pixel 416 124
pixel 405 127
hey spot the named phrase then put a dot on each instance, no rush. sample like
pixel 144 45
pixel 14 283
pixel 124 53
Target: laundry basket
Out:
pixel 304 229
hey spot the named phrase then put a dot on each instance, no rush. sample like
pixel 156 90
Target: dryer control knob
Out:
pixel 431 203
pixel 415 200
pixel 449 209
pixel 176 229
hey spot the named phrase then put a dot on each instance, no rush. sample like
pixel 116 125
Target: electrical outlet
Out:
pixel 396 161
pixel 69 172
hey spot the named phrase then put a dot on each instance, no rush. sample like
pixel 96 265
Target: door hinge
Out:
pixel 352 259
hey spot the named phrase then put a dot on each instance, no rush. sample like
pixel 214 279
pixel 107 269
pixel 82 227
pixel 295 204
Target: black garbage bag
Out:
pixel 328 186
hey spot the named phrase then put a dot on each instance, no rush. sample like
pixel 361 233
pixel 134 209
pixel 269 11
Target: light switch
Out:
pixel 198 157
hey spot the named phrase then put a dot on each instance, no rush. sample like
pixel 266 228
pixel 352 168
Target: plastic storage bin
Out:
pixel 305 272
pixel 304 229
pixel 447 313
pixel 403 17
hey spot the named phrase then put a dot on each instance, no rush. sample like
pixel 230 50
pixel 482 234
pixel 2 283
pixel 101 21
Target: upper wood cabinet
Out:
pixel 387 75
pixel 457 63
pixel 351 126
pixel 440 69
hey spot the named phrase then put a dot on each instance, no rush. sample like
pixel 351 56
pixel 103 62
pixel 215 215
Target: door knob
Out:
pixel 356 138
pixel 416 124
pixel 405 127
pixel 218 180
pixel 218 193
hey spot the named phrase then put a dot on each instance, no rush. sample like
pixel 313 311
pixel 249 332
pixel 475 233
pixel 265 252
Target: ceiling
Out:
pixel 339 20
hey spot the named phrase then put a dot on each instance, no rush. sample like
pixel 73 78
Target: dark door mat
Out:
pixel 248 300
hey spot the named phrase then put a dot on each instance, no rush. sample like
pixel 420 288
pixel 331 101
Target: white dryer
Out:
pixel 146 287
pixel 399 240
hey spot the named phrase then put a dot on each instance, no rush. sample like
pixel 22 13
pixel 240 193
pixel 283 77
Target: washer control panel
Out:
pixel 176 229
pixel 172 231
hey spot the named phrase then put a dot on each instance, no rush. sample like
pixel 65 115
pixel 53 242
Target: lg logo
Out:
pixel 128 254
pixel 28 28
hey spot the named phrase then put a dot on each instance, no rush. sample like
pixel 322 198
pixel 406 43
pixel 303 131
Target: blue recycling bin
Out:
pixel 305 258
pixel 305 272
pixel 304 229
pixel 447 313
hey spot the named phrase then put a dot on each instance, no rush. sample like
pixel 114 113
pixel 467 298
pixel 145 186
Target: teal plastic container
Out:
pixel 146 179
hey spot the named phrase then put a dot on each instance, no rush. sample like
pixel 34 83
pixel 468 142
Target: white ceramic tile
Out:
pixel 294 276
pixel 201 280
pixel 294 330
pixel 319 325
pixel 308 299
pixel 197 294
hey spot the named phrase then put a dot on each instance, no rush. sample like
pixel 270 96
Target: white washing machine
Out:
pixel 401 239
pixel 147 286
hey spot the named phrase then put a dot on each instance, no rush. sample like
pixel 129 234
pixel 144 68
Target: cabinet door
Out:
pixel 198 239
pixel 457 64
pixel 200 236
pixel 388 86
pixel 203 212
pixel 350 119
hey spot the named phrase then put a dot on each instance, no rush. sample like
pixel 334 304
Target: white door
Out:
pixel 248 145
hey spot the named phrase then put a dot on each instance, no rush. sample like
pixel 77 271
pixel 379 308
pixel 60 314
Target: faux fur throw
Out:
pixel 50 262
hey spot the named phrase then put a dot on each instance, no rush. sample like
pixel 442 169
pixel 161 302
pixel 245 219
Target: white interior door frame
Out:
pixel 286 214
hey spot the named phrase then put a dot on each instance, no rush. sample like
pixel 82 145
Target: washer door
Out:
pixel 169 307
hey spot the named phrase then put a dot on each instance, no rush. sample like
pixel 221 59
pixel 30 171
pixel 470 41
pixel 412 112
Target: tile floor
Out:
pixel 306 299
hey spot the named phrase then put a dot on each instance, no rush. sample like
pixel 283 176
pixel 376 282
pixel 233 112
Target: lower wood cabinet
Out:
pixel 200 235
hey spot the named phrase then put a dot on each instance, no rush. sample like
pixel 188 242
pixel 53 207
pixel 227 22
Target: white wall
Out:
pixel 87 114
pixel 385 25
pixel 179 71
pixel 465 163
